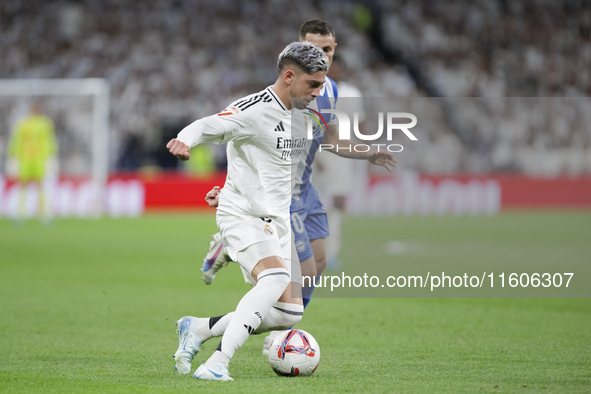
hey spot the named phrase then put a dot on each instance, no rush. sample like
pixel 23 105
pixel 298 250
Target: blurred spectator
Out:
pixel 176 59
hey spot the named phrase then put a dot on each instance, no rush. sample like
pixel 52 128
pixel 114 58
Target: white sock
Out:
pixel 213 327
pixel 251 311
pixel 281 316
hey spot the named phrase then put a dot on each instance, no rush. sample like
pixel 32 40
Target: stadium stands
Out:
pixel 170 60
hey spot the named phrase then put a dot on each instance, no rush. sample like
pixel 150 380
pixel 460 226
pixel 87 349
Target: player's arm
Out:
pixel 179 149
pixel 208 129
pixel 331 141
pixel 217 129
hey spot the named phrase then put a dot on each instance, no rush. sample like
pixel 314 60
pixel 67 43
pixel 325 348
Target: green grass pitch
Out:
pixel 88 306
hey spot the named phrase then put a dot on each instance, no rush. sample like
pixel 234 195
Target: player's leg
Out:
pixel 301 249
pixel 286 312
pixel 272 278
pixel 316 225
pixel 304 249
pixel 318 261
pixel 319 248
pixel 308 221
pixel 37 175
pixel 308 267
pixel 21 210
pixel 25 175
pixel 217 258
pixel 302 241
pixel 335 219
pixel 288 308
pixel 259 246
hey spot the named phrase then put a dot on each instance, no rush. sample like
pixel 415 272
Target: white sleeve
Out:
pixel 208 129
pixel 218 129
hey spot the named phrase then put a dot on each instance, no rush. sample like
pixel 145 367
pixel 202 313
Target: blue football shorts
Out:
pixel 308 221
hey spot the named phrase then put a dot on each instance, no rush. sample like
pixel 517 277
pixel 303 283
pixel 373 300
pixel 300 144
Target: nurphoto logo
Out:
pixel 344 127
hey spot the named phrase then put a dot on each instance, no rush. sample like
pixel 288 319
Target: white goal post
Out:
pixel 99 90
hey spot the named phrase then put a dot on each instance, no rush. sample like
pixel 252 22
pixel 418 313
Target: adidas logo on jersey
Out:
pixel 279 127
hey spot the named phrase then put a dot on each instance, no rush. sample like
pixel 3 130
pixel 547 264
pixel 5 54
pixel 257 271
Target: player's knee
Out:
pixel 321 265
pixel 289 314
pixel 309 268
pixel 275 277
pixel 290 320
pixel 271 262
pixel 321 262
pixel 280 321
pixel 282 316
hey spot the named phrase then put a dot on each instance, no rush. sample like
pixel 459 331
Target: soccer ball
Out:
pixel 294 353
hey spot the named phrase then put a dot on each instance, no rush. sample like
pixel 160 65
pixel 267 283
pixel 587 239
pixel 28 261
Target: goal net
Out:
pixel 79 109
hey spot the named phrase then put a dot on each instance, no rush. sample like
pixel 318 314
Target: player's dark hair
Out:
pixel 316 26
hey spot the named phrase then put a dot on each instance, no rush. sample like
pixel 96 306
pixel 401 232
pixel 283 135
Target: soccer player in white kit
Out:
pixel 253 212
pixel 308 216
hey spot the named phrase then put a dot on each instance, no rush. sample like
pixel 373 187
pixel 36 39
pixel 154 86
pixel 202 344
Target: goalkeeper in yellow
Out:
pixel 32 156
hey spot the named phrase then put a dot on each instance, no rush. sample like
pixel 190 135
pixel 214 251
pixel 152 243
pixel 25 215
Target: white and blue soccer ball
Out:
pixel 294 353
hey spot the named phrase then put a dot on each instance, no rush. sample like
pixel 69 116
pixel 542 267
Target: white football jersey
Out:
pixel 261 153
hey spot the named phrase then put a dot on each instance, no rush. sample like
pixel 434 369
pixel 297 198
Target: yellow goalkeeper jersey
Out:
pixel 32 143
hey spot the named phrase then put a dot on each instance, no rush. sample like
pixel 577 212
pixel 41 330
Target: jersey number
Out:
pixel 296 222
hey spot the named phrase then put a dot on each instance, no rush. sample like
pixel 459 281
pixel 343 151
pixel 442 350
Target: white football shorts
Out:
pixel 250 239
